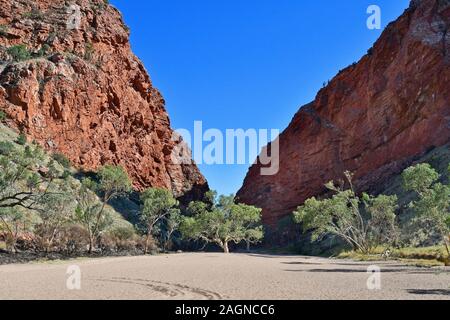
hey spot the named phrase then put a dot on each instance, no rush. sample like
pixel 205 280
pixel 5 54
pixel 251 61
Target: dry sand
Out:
pixel 219 276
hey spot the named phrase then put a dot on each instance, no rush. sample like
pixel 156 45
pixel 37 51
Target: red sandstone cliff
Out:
pixel 373 118
pixel 82 91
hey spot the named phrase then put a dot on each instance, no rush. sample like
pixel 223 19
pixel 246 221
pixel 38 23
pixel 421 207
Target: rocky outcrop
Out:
pixel 374 118
pixel 70 81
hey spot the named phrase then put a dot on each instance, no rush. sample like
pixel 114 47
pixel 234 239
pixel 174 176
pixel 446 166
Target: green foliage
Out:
pixel 19 53
pixel 91 213
pixel 13 222
pixel 114 182
pixel 40 200
pixel 44 50
pixel 22 190
pixel 422 257
pixel 19 184
pixel 89 51
pixel 55 211
pixel 6 148
pixel 34 14
pixel 21 139
pixel 432 205
pixel 62 160
pixel 99 7
pixel 2 116
pixel 157 205
pixel 223 222
pixel 3 30
pixel 419 178
pixel 364 223
pixel 123 233
pixel 172 224
pixel 381 227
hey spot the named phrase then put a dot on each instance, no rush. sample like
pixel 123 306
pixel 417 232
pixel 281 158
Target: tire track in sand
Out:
pixel 170 290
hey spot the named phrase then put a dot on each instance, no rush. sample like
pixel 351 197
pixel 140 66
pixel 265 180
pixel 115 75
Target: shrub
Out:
pixel 147 243
pixel 157 205
pixel 72 240
pixel 43 51
pixel 432 206
pixel 107 244
pixel 115 241
pixel 62 160
pixel 363 222
pixel 21 139
pixel 3 30
pixel 19 53
pixel 100 6
pixel 6 148
pixel 2 116
pixel 123 233
pixel 89 52
pixel 55 211
pixel 114 182
pixel 66 174
pixel 34 14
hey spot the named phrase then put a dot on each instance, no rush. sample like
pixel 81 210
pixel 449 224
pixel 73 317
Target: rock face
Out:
pixel 76 88
pixel 374 118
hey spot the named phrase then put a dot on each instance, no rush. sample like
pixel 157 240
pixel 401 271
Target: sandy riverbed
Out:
pixel 219 276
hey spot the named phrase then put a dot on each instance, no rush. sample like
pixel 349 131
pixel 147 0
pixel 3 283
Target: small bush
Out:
pixel 123 233
pixel 66 174
pixel 121 239
pixel 19 53
pixel 107 244
pixel 89 52
pixel 2 116
pixel 34 14
pixel 3 30
pixel 6 148
pixel 73 240
pixel 44 50
pixel 98 7
pixel 21 139
pixel 152 244
pixel 62 160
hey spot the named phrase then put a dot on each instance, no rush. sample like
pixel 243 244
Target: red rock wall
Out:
pixel 372 118
pixel 88 97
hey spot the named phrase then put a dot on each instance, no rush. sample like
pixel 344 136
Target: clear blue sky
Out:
pixel 246 63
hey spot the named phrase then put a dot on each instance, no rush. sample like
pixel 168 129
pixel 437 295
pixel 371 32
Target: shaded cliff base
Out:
pixel 287 236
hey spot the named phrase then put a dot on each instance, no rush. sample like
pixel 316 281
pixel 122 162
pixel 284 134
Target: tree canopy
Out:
pixel 223 222
pixel 157 205
pixel 363 222
pixel 432 204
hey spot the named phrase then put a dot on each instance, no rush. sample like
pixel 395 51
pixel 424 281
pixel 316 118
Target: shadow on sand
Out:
pixel 383 270
pixel 434 292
